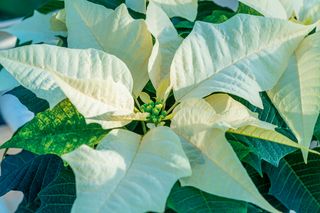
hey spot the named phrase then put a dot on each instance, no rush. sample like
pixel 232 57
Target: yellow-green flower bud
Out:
pixel 155 111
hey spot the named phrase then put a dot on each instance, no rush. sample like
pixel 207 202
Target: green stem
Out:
pixel 137 102
pixel 172 107
pixel 144 128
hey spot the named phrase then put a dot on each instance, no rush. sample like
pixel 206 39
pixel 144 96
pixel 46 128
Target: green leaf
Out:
pixel 254 161
pixel 247 10
pixel 218 16
pixel 265 150
pixel 240 149
pixel 51 6
pixel 29 174
pixel 29 99
pixel 206 8
pixel 190 200
pixel 112 4
pixel 60 194
pixel 19 8
pixel 269 8
pixel 295 183
pixel 316 132
pixel 57 131
pixel 263 185
pixel 246 154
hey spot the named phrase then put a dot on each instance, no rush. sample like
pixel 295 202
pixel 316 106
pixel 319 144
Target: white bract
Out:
pixel 305 11
pixel 243 62
pixel 35 29
pixel 128 173
pixel 296 95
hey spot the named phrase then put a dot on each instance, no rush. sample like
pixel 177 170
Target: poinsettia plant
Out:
pixel 164 106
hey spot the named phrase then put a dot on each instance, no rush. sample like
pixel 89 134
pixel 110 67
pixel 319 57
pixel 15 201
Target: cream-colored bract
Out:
pixel 232 114
pixel 165 47
pixel 113 31
pixel 306 11
pixel 242 61
pixel 292 7
pixel 215 167
pixel 96 82
pixel 309 11
pixel 296 95
pixel 128 173
pixel 94 98
pixel 58 21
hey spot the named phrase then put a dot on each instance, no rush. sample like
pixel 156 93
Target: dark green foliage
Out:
pixel 19 8
pixel 295 183
pixel 60 194
pixel 192 200
pixel 50 6
pixel 29 174
pixel 57 131
pixel 265 150
pixel 29 99
pixel 112 4
pixel 316 132
pixel 263 185
pixel 212 13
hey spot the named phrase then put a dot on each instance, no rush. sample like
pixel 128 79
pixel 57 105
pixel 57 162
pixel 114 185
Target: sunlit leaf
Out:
pixel 56 131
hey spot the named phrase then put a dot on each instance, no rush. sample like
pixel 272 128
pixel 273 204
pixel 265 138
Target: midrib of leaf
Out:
pixel 123 177
pixel 205 201
pixel 52 72
pixel 273 141
pixel 300 99
pixel 256 52
pixel 299 180
pixel 95 36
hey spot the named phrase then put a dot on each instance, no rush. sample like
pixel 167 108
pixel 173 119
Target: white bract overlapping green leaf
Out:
pixel 242 62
